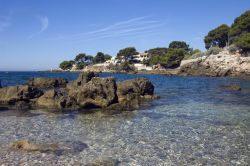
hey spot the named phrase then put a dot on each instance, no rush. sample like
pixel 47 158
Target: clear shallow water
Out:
pixel 195 122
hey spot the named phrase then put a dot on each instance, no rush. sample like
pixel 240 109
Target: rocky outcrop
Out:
pixel 55 99
pixel 47 82
pixel 81 80
pixel 220 65
pixel 88 91
pixel 13 94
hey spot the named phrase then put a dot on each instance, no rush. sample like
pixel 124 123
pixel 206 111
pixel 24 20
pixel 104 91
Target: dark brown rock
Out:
pixel 47 82
pixel 13 94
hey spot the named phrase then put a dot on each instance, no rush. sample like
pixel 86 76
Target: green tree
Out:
pixel 80 57
pixel 217 37
pixel 240 26
pixel 179 44
pixel 127 53
pixel 174 57
pixel 157 51
pixel 107 57
pixel 99 58
pixel 66 65
pixel 125 66
pixel 80 65
pixel 243 43
pixel 89 59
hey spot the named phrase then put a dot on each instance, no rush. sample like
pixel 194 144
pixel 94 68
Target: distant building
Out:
pixel 112 61
pixel 141 57
pixel 139 66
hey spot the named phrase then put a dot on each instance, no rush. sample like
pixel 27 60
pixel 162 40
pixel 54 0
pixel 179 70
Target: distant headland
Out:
pixel 228 54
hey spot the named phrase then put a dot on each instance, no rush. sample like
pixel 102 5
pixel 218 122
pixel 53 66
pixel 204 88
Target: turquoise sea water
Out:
pixel 195 122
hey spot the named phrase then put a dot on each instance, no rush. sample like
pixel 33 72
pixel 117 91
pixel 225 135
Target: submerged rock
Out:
pixel 232 87
pixel 26 145
pixel 47 82
pixel 105 162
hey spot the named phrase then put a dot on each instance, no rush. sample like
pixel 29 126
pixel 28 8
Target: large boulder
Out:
pixel 98 92
pixel 140 86
pixel 11 95
pixel 131 92
pixel 55 99
pixel 47 82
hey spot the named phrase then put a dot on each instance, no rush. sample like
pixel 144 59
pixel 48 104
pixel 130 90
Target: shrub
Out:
pixel 233 49
pixel 171 59
pixel 125 66
pixel 80 66
pixel 214 51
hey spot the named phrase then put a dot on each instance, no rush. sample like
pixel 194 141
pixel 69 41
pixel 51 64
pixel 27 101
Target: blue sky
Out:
pixel 39 34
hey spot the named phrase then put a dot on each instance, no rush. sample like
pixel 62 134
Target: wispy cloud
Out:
pixel 126 28
pixel 4 22
pixel 44 21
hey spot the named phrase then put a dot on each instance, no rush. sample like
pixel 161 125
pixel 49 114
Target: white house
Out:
pixel 141 57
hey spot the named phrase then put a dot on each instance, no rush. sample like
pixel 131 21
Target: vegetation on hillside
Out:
pixel 237 34
pixel 127 54
pixel 236 37
pixel 217 37
pixel 81 60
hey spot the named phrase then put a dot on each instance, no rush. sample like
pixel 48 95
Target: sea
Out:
pixel 195 122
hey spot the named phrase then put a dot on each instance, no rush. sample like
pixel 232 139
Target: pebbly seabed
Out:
pixel 195 122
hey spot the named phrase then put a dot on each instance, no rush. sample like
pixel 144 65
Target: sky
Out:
pixel 39 34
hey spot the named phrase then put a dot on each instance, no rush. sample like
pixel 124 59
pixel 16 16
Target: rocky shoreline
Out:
pixel 87 92
pixel 222 64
